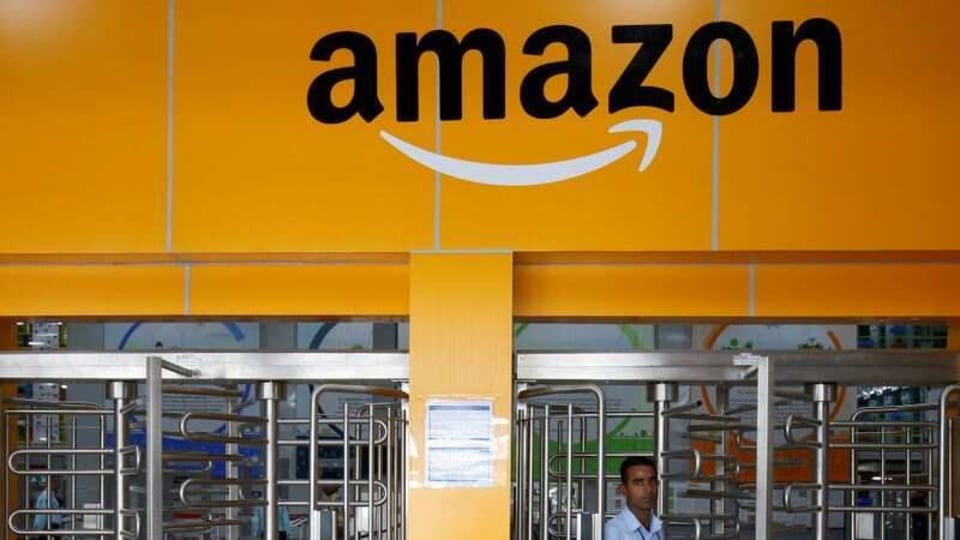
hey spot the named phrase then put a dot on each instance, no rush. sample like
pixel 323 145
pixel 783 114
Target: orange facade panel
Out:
pixel 304 127
pixel 661 290
pixel 461 347
pixel 91 290
pixel 244 136
pixel 83 115
pixel 342 290
pixel 876 175
pixel 858 290
pixel 617 207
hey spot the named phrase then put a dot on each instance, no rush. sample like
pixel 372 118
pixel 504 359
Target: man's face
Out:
pixel 641 488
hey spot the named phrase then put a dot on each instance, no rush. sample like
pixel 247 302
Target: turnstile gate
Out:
pixel 207 445
pixel 780 465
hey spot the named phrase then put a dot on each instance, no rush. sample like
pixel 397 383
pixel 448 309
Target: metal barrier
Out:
pixel 200 445
pixel 45 455
pixel 901 463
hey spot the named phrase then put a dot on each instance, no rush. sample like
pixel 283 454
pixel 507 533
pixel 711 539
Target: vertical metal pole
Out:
pixel 73 465
pixel 944 525
pixel 232 470
pixel 382 508
pixel 405 413
pixel 29 434
pixel 346 471
pixel 154 530
pixel 529 471
pixel 765 395
pixel 851 519
pixel 568 524
pixel 401 467
pixel 120 393
pixel 521 475
pixel 270 393
pixel 823 395
pixel 49 440
pixel 391 520
pixel 545 474
pixel 582 470
pixel 601 462
pixel 357 476
pixel 661 394
pixel 370 437
pixel 883 480
pixel 103 477
pixel 313 524
pixel 909 517
pixel 719 505
pixel 5 444
pixel 928 465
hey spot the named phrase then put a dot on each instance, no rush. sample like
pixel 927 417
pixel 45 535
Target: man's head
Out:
pixel 639 484
pixel 51 483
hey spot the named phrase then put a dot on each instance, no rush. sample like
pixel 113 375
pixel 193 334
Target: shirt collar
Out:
pixel 633 523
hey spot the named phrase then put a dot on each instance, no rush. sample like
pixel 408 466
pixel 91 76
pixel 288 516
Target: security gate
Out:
pixel 207 445
pixel 722 463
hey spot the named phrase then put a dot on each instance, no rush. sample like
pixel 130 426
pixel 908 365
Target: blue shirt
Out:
pixel 626 526
pixel 47 501
pixel 283 525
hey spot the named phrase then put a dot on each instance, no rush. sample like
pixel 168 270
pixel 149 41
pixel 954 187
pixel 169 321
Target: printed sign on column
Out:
pixel 459 444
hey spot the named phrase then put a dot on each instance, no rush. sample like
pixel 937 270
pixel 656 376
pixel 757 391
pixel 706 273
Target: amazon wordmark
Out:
pixel 629 90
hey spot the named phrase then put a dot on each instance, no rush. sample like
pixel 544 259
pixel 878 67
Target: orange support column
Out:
pixel 461 350
pixel 8 341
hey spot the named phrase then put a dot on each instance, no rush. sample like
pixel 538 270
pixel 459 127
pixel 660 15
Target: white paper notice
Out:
pixel 459 443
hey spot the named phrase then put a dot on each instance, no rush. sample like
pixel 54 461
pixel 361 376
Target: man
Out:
pixel 638 486
pixel 47 500
pixel 258 522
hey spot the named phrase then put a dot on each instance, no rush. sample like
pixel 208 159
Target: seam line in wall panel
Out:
pixel 437 178
pixel 171 36
pixel 715 156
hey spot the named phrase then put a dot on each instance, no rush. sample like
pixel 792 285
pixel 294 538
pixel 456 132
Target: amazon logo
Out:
pixel 630 91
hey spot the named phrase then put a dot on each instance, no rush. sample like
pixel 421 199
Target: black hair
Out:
pixel 636 461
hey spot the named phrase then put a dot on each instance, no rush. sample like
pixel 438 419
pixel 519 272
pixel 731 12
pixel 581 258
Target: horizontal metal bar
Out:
pixel 582 415
pixel 197 526
pixel 691 516
pixel 878 425
pixel 178 369
pixel 882 487
pixel 223 417
pixel 182 390
pixel 883 409
pixel 211 437
pixel 59 412
pixel 884 446
pixel 213 366
pixel 885 509
pixel 900 367
pixel 29 402
pixel 792 396
pixel 186 456
pixel 706 494
pixel 681 408
pixel 705 417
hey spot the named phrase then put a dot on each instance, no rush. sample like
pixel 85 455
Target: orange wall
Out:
pixel 83 126
pixel 561 288
pixel 353 288
pixel 461 346
pixel 730 290
pixel 111 144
